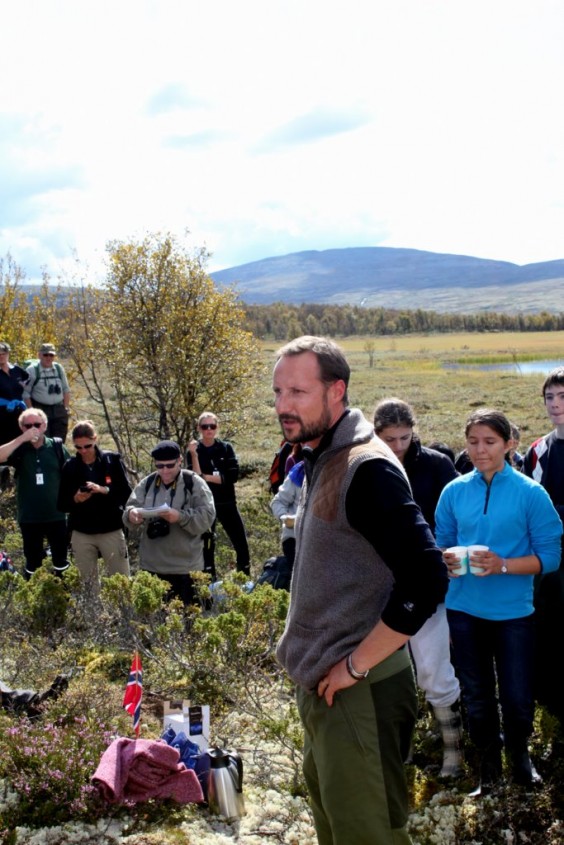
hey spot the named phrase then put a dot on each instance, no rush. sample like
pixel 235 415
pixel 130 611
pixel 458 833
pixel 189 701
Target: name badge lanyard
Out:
pixel 39 479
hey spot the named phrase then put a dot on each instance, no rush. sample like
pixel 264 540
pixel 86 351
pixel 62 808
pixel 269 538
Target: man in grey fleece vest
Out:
pixel 367 575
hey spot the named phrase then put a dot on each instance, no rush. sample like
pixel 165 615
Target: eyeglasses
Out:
pixel 48 354
pixel 166 466
pixel 208 426
pixel 86 446
pixel 33 425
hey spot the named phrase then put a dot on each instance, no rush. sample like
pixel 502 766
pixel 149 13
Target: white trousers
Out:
pixel 430 652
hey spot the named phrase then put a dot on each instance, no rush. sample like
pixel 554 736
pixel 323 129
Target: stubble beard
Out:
pixel 314 430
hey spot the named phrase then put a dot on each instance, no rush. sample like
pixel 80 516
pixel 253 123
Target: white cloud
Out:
pixel 266 128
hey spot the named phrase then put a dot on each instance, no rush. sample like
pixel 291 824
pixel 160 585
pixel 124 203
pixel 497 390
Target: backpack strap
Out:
pixel 149 482
pixel 187 477
pixel 58 370
pixel 58 446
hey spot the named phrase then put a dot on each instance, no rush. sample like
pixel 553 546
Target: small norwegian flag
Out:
pixel 134 692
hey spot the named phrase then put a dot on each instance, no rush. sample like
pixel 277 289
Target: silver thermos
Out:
pixel 225 784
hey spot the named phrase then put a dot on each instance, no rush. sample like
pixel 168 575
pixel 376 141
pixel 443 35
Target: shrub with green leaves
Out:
pixel 43 602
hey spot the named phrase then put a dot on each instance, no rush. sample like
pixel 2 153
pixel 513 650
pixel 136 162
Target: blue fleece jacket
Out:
pixel 513 516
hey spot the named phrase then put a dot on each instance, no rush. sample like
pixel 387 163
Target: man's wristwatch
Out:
pixel 504 569
pixel 358 676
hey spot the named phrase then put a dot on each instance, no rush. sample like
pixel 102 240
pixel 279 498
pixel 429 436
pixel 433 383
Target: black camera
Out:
pixel 54 389
pixel 157 528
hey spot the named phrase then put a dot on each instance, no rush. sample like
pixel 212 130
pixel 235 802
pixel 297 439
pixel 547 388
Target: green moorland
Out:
pixel 226 658
pixel 417 368
pixel 411 367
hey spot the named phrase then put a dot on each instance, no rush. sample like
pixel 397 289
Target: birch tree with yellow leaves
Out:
pixel 158 343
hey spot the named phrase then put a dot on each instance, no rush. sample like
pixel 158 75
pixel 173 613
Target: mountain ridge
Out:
pixel 390 276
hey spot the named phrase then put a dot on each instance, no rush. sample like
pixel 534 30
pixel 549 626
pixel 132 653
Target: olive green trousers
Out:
pixel 354 756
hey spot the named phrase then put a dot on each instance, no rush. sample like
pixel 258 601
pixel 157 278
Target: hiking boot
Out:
pixel 522 770
pixel 490 771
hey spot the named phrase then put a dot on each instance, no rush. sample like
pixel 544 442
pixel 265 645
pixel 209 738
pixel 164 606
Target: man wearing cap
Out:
pixel 49 390
pixel 12 380
pixel 171 543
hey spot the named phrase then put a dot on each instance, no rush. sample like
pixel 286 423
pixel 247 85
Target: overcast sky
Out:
pixel 267 127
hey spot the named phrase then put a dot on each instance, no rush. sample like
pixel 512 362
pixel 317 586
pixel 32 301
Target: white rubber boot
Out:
pixel 450 724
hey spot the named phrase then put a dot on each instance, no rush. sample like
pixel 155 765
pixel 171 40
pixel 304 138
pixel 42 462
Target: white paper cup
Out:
pixel 476 570
pixel 461 553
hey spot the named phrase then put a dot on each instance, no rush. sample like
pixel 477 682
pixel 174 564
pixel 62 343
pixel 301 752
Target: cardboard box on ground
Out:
pixel 193 719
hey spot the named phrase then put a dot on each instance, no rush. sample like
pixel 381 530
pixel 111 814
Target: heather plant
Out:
pixel 49 765
pixel 46 763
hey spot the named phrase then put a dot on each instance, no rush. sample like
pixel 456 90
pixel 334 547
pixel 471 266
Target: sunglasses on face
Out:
pixel 87 446
pixel 165 466
pixel 33 425
pixel 47 354
pixel 208 426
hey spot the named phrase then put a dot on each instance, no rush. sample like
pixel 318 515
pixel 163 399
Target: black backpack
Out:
pixel 277 572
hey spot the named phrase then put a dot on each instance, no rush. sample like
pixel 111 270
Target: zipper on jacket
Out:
pixel 488 491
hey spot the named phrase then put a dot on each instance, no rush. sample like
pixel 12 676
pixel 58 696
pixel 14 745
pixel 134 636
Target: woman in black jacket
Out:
pixel 215 461
pixel 94 489
pixel 428 472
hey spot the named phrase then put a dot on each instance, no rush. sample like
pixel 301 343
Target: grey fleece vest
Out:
pixel 340 584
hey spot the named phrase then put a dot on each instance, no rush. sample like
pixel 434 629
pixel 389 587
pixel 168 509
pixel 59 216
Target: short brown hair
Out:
pixel 393 411
pixel 84 428
pixel 495 420
pixel 554 377
pixel 333 366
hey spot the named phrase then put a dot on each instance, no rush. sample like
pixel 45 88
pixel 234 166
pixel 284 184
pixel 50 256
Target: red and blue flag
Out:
pixel 134 692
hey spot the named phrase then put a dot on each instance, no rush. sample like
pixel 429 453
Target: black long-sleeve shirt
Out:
pixel 102 512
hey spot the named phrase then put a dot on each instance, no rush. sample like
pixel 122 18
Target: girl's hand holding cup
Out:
pixel 456 559
pixel 477 556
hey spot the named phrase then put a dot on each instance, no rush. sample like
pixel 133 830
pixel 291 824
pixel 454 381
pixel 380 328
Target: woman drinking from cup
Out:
pixel 490 607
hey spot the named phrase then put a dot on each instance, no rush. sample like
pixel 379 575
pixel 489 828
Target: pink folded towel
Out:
pixel 140 769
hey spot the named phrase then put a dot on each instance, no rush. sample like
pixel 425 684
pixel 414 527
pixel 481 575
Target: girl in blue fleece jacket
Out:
pixel 490 613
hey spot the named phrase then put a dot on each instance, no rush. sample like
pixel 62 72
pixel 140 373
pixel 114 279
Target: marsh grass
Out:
pixel 410 367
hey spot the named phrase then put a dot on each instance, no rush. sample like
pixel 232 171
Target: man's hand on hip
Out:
pixel 336 679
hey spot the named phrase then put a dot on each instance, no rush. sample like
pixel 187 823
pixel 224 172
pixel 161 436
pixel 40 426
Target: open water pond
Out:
pixel 520 368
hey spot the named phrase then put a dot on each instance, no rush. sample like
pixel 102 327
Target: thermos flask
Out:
pixel 225 784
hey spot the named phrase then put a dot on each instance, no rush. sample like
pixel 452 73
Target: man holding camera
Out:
pixel 48 389
pixel 169 510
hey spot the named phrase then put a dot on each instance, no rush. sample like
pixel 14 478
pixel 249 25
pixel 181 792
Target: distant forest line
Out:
pixel 281 321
